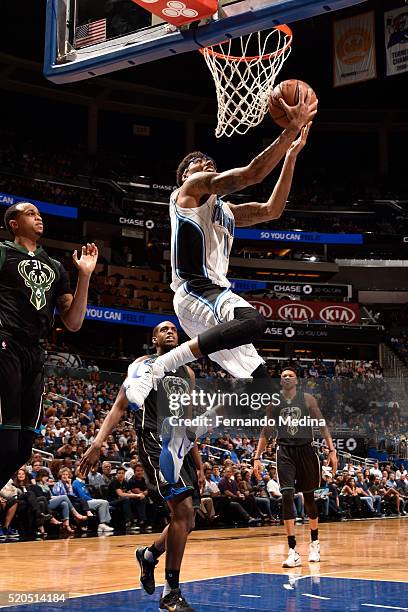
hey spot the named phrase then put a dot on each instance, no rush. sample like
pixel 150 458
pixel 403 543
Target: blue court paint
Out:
pixel 266 592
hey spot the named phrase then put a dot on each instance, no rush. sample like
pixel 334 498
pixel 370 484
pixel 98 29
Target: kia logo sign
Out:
pixel 263 308
pixel 295 312
pixel 337 314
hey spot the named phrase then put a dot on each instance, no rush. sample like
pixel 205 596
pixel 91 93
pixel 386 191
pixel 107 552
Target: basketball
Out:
pixel 289 91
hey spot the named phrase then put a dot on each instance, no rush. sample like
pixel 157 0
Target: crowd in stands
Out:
pixel 42 500
pixel 100 197
pixel 355 491
pixel 353 395
pixel 56 193
pixel 51 496
pixel 400 346
pixel 337 223
pixel 69 177
pixel 136 288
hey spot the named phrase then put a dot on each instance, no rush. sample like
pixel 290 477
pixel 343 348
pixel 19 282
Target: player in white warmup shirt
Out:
pixel 221 324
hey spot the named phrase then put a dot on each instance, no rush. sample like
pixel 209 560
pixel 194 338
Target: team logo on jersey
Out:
pixel 38 276
pixel 175 385
pixel 219 217
pixel 288 415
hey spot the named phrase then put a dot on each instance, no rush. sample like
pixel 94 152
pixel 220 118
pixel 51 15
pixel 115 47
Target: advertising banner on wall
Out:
pixel 303 290
pixel 58 210
pixel 354 49
pixel 297 236
pixel 396 40
pixel 302 312
pixel 278 331
pixel 355 445
pixel 127 317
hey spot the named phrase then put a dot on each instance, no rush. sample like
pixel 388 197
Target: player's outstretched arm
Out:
pixel 205 183
pixel 266 433
pixel 72 309
pixel 114 416
pixel 199 467
pixel 253 213
pixel 316 413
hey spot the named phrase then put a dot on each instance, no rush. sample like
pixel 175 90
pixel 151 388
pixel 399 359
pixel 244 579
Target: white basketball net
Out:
pixel 243 79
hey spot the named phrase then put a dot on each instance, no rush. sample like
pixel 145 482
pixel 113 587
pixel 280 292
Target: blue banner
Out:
pixel 58 210
pixel 288 236
pixel 128 317
pixel 242 286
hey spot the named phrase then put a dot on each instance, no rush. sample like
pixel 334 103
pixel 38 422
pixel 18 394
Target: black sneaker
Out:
pixel 175 602
pixel 146 571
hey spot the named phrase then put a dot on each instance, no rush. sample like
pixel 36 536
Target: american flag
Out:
pixel 90 33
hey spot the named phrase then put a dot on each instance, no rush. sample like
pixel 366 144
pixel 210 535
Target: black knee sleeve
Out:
pixel 247 325
pixel 258 321
pixel 310 505
pixel 261 372
pixel 288 504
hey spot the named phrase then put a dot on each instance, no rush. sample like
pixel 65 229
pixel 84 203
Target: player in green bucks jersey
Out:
pixel 32 285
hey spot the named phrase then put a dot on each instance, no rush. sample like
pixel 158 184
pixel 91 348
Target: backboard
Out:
pixel 87 38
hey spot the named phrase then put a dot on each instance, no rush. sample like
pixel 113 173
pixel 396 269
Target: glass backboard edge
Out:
pixel 175 42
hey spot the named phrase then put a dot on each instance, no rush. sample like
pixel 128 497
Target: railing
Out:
pixel 392 361
pixel 396 370
pixel 341 455
pixel 47 457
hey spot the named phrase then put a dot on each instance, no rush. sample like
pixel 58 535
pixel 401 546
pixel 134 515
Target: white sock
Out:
pixel 166 589
pixel 176 357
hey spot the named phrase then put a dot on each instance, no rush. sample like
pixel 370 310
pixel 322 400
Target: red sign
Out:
pixel 177 12
pixel 336 313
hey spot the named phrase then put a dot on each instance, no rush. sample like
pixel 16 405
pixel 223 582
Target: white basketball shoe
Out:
pixel 293 559
pixel 138 383
pixel 314 552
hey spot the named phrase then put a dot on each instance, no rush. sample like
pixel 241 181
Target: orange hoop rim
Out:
pixel 236 58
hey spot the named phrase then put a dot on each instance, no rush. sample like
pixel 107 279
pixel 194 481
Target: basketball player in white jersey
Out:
pixel 221 324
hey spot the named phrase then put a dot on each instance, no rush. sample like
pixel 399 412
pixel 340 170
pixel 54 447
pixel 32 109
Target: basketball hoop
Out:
pixel 244 72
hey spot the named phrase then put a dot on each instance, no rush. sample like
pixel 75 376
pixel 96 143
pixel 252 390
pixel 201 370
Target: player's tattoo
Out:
pixel 64 303
pixel 249 214
pixel 228 182
pixel 239 178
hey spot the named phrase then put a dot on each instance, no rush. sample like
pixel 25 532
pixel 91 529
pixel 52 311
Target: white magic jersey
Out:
pixel 201 241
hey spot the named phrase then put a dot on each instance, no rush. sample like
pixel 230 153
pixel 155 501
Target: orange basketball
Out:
pixel 289 91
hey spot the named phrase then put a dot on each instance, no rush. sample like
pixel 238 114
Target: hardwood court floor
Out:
pixel 373 549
